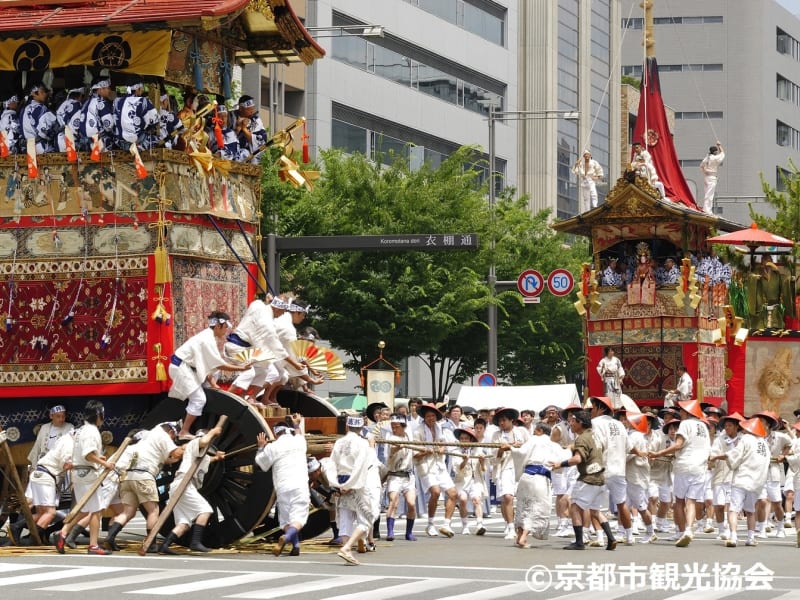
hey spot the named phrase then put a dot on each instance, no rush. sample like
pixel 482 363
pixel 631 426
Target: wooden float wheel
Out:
pixel 237 490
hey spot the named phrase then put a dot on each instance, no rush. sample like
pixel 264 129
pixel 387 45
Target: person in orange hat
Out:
pixel 779 444
pixel 691 449
pixel 637 470
pixel 749 462
pixel 793 458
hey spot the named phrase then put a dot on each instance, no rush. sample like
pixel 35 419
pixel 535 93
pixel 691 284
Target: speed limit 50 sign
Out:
pixel 560 282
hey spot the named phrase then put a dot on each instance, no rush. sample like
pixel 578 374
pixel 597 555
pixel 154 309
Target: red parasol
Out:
pixel 752 237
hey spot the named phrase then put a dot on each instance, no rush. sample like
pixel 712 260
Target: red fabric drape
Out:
pixel 652 129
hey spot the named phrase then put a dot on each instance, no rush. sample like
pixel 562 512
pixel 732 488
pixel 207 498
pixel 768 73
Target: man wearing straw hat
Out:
pixel 432 468
pixel 793 458
pixel 721 473
pixel 779 444
pixel 352 459
pixel 749 461
pixel 691 449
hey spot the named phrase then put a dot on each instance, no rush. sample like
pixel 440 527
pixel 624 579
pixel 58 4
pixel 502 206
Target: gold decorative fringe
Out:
pixel 161 371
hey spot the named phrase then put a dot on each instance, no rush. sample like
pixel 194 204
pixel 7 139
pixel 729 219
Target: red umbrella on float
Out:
pixel 753 238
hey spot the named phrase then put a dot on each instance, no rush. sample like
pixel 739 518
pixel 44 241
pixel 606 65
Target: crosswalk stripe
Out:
pixel 141 577
pixel 7 567
pixel 401 589
pixel 610 593
pixel 498 592
pixel 55 575
pixel 210 584
pixel 308 586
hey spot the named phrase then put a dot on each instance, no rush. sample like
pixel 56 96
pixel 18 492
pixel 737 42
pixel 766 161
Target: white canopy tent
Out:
pixel 521 397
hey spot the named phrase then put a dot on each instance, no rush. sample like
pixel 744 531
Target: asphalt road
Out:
pixel 467 567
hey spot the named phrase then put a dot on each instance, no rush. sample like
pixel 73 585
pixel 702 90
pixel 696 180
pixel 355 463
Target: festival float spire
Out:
pixel 652 127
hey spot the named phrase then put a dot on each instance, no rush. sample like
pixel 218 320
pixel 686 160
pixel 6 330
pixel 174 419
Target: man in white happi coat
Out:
pixel 49 434
pixel 256 329
pixel 749 462
pixel 612 373
pixel 533 491
pixel 286 456
pixel 10 126
pixel 354 471
pixel 142 462
pixel 613 441
pixel 88 461
pixel 721 473
pixel 692 448
pixel 589 172
pixel 470 479
pixel 134 115
pixel 193 366
pixel 563 480
pixel 503 469
pixel 683 389
pixel 38 122
pixel 288 313
pixel 710 167
pixel 44 486
pixel 793 459
pixel 192 510
pixel 400 479
pixel 432 468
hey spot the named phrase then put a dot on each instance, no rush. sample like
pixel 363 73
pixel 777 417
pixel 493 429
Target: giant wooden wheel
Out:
pixel 238 491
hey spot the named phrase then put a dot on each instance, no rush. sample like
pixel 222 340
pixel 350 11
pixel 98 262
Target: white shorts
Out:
pixel 190 506
pixel 788 485
pixel 741 499
pixel 721 494
pixel 293 507
pixel 665 493
pixel 276 374
pixel 774 491
pixel 686 486
pixel 437 478
pixel 505 482
pixel 589 497
pixel 637 497
pixel 709 492
pixel 474 491
pixel 196 402
pixel 563 481
pixel 401 485
pixel 42 489
pixel 617 489
pixel 98 501
pixel 796 503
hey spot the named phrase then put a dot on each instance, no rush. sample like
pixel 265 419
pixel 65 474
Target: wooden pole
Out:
pixel 17 482
pixel 97 483
pixel 175 497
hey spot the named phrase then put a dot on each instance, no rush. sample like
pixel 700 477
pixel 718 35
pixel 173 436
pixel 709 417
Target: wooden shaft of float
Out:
pixel 175 497
pixel 17 482
pixel 460 444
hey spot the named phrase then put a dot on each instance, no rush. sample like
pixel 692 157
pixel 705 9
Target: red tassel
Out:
pixel 69 142
pixel 306 153
pixel 3 145
pixel 97 148
pixel 141 171
pixel 218 129
pixel 33 167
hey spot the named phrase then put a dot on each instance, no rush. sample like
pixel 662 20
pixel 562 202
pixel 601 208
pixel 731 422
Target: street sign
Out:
pixel 487 380
pixel 560 282
pixel 391 243
pixel 535 300
pixel 530 283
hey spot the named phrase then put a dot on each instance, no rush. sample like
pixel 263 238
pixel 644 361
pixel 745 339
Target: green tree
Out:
pixel 786 221
pixel 426 304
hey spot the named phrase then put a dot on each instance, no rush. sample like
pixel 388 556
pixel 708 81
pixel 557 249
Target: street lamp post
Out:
pixel 507 115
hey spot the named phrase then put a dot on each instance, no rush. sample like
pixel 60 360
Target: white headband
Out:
pixel 214 321
pixel 75 91
pixel 102 84
pixel 278 303
pixel 355 421
pixel 247 103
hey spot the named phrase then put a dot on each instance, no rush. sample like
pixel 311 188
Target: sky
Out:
pixel 793 6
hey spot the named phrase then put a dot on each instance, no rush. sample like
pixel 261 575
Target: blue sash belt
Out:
pixel 537 470
pixel 343 478
pixel 235 339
